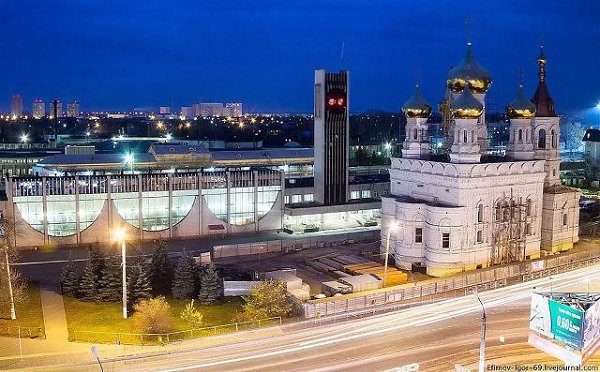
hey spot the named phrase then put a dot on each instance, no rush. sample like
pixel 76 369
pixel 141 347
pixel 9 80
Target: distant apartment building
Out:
pixel 211 109
pixel 591 139
pixel 59 109
pixel 39 109
pixel 164 110
pixel 17 105
pixel 234 109
pixel 185 113
pixel 73 109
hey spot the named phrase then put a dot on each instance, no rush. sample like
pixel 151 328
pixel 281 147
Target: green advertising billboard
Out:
pixel 566 324
pixel 557 321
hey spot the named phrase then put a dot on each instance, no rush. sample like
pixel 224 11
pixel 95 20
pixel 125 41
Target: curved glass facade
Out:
pixel 238 198
pixel 31 209
pixel 90 207
pixel 155 209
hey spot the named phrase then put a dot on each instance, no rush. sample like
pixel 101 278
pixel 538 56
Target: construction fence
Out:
pixel 22 331
pixel 291 245
pixel 468 282
pixel 145 339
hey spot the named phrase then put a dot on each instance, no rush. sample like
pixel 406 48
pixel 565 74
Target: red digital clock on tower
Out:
pixel 336 100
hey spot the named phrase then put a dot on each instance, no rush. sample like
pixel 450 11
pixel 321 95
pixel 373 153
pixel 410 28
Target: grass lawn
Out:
pixel 29 313
pixel 107 317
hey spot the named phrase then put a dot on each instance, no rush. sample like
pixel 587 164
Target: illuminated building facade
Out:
pixel 59 109
pixel 16 108
pixel 39 109
pixel 331 137
pixel 73 109
pixel 233 109
pixel 185 113
pixel 471 210
pixel 86 209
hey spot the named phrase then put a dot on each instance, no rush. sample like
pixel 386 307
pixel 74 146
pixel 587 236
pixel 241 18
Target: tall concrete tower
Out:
pixel 331 137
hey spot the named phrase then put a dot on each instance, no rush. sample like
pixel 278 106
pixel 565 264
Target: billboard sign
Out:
pixel 567 324
pixel 557 321
pixel 591 330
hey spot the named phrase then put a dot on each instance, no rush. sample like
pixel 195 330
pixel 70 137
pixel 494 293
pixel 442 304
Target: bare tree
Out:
pixel 8 231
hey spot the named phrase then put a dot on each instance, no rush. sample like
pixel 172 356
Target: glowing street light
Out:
pixel 391 227
pixel 168 137
pixel 130 160
pixel 24 138
pixel 119 236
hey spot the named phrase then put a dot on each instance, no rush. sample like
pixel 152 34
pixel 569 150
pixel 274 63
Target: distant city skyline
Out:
pixel 264 55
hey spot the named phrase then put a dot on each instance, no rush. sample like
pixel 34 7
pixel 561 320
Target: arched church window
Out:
pixel 542 139
pixel 520 135
pixel 499 211
pixel 480 213
pixel 415 133
pixel 553 139
pixel 465 136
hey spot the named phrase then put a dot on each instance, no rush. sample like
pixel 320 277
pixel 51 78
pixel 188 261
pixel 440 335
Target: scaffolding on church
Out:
pixel 509 230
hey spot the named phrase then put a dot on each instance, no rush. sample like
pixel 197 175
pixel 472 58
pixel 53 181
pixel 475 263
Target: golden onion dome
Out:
pixel 520 107
pixel 416 106
pixel 466 106
pixel 469 71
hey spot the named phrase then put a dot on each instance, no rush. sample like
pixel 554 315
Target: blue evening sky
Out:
pixel 123 54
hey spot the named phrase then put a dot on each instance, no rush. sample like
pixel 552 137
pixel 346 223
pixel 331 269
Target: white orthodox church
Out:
pixel 469 210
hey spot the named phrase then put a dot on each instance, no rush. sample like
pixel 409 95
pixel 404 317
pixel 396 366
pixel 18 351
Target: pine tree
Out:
pixel 88 286
pixel 184 283
pixel 111 282
pixel 210 286
pixel 138 282
pixel 97 260
pixel 161 269
pixel 69 279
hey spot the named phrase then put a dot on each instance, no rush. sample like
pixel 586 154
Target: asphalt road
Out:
pixel 436 336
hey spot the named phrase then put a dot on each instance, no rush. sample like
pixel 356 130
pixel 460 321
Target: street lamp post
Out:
pixel 120 237
pixel 482 344
pixel 387 253
pixel 587 280
pixel 13 313
pixel 391 228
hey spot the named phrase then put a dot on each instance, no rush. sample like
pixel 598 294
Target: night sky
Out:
pixel 119 55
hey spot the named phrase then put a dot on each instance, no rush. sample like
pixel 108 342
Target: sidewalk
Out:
pixel 55 318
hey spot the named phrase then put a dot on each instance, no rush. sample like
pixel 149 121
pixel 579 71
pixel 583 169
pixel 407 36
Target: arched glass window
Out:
pixel 553 139
pixel 480 213
pixel 542 139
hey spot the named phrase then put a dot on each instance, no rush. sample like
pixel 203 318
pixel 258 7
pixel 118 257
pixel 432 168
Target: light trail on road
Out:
pixel 321 347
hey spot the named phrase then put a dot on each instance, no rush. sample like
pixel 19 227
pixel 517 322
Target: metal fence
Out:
pixel 21 331
pixel 469 282
pixel 165 338
pixel 290 245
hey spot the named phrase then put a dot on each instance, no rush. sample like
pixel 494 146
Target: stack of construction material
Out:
pixel 334 287
pixel 302 293
pixel 294 284
pixel 394 276
pixel 361 283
